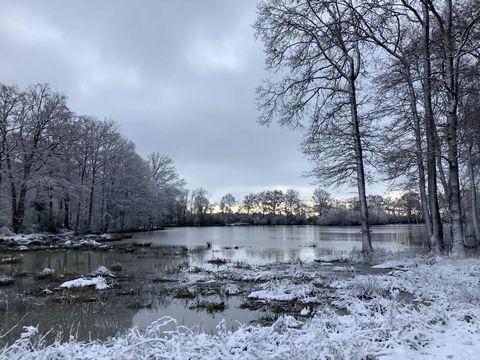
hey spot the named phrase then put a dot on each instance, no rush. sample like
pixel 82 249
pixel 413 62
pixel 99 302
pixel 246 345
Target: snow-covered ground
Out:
pixel 424 308
pixel 24 242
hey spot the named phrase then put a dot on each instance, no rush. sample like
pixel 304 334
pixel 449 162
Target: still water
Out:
pixel 138 298
pixel 266 244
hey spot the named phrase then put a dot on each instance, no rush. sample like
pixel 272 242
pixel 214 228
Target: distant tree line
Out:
pixel 63 170
pixel 275 207
pixel 383 86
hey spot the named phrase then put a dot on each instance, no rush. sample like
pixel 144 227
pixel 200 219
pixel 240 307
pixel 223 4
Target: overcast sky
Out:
pixel 178 76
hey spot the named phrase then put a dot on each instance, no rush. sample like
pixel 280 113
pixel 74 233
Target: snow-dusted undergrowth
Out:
pixel 379 321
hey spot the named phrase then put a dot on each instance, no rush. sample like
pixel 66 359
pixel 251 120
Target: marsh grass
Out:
pixel 185 293
pixel 210 306
pixel 218 261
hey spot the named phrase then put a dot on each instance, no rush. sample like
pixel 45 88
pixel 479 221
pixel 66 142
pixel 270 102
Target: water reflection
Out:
pixel 265 244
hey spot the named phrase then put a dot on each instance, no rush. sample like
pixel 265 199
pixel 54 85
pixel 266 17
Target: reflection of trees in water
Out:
pixel 97 320
pixel 141 263
pixel 84 321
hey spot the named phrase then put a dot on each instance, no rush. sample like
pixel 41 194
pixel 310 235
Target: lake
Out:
pixel 141 294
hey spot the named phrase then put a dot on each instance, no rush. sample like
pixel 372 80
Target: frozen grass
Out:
pixel 282 291
pixel 378 322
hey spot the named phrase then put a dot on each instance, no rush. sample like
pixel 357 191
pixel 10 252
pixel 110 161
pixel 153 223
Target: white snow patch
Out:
pixel 28 332
pixel 282 291
pixel 99 282
pixel 102 271
pixel 231 289
pixel 47 271
pixel 305 311
pixel 343 269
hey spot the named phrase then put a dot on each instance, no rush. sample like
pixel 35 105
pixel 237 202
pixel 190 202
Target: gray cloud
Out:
pixel 179 76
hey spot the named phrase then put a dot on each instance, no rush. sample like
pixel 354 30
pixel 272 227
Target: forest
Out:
pixel 60 170
pixel 277 207
pixel 382 87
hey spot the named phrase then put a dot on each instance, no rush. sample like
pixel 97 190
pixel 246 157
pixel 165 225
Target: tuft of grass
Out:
pixel 77 296
pixel 241 264
pixel 47 276
pixel 116 267
pixel 185 293
pixel 209 306
pixel 218 261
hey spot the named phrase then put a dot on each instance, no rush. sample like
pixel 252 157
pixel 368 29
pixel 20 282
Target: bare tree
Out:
pixel 227 202
pixel 316 44
pixel 34 138
pixel 321 201
pixel 249 203
pixel 291 203
pixel 391 27
pixel 200 205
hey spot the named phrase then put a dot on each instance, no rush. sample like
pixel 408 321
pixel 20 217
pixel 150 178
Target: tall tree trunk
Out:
pixel 13 194
pixel 454 199
pixel 51 225
pixel 437 230
pixel 366 236
pixel 20 213
pixel 90 202
pixel 419 159
pixel 66 214
pixel 102 208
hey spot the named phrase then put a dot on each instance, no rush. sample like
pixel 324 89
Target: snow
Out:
pixel 343 269
pixel 91 243
pixel 305 311
pixel 99 282
pixel 28 332
pixel 232 289
pixel 282 291
pixel 102 271
pixel 63 240
pixel 396 264
pixel 427 311
pixel 47 271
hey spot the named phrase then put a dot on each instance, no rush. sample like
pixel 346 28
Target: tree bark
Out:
pixel 66 217
pixel 90 206
pixel 419 159
pixel 437 230
pixel 454 198
pixel 366 236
